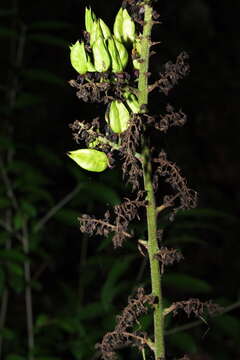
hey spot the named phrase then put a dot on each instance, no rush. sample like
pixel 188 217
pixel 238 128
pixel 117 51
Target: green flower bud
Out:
pixel 90 18
pixel 122 53
pixel 102 60
pixel 115 57
pixel 132 102
pixel 117 117
pixel 90 159
pixel 124 27
pixel 78 57
pixel 105 29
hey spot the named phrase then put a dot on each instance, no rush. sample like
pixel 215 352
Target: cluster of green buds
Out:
pixel 109 52
pixel 118 114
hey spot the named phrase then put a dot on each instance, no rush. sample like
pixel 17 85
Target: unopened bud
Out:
pixel 102 60
pixel 78 57
pixel 90 159
pixel 117 117
pixel 124 27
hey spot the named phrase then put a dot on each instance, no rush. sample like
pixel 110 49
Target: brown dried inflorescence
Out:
pixel 168 256
pixel 121 336
pixel 172 174
pixel 124 213
pixel 171 118
pixel 196 307
pixel 173 73
pixel 132 168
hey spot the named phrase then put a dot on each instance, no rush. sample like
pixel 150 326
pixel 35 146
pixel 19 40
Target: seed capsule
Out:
pixel 124 27
pixel 132 102
pixel 96 32
pixel 90 66
pixel 102 60
pixel 90 18
pixel 78 57
pixel 90 159
pixel 105 29
pixel 122 53
pixel 115 57
pixel 117 117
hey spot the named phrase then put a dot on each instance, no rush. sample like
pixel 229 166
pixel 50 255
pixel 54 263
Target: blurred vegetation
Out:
pixel 71 287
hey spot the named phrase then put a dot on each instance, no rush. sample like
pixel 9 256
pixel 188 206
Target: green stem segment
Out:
pixel 151 207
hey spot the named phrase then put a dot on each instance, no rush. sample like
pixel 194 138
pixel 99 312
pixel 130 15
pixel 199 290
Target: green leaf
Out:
pixel 49 25
pixel 90 311
pixel 6 143
pixel 67 216
pixel 44 76
pixel 15 269
pixel 228 325
pixel 15 357
pixel 13 255
pixel 111 285
pixel 42 320
pixel 18 221
pixel 27 100
pixel 184 342
pixel 187 283
pixel 4 203
pixel 7 334
pixel 2 280
pixel 7 12
pixel 49 39
pixel 8 33
pixel 28 209
pixel 48 156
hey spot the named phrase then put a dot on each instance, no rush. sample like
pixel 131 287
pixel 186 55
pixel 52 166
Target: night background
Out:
pixel 80 284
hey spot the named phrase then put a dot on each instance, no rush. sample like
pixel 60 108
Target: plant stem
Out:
pixel 151 207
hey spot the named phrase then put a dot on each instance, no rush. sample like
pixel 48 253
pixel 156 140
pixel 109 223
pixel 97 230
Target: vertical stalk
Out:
pixel 151 207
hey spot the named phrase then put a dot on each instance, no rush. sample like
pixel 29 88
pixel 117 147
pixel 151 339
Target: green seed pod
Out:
pixel 117 117
pixel 117 27
pixel 122 53
pixel 78 57
pixel 90 17
pixel 90 66
pixel 105 29
pixel 90 159
pixel 102 60
pixel 115 57
pixel 132 102
pixel 96 32
pixel 124 27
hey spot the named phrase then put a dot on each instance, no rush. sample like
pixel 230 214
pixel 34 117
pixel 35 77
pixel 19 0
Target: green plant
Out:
pixel 130 135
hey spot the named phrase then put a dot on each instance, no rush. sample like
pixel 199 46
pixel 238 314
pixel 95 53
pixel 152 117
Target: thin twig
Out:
pixel 56 208
pixel 28 293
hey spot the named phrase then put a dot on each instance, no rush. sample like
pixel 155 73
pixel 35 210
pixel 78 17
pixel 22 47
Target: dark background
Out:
pixel 79 284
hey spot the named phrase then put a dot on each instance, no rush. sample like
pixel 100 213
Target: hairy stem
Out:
pixel 151 207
